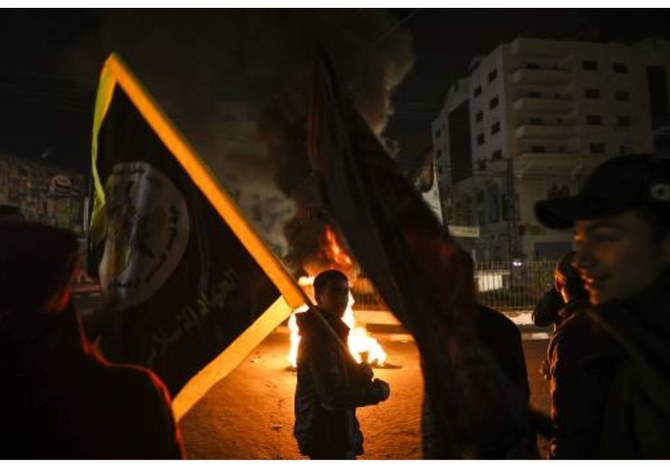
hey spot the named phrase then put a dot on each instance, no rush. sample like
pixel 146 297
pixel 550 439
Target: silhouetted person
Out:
pixel 552 310
pixel 60 400
pixel 331 384
pixel 618 382
pixel 502 340
pixel 562 349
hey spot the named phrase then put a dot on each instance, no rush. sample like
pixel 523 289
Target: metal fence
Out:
pixel 500 285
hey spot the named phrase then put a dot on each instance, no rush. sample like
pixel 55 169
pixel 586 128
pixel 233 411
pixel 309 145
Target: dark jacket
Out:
pixel 581 359
pixel 61 401
pixel 613 387
pixel 636 418
pixel 330 386
pixel 547 311
pixel 501 338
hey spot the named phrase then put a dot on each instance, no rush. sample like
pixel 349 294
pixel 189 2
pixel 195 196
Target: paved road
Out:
pixel 249 414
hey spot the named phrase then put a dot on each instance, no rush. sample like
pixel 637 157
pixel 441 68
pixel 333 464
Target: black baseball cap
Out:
pixel 619 184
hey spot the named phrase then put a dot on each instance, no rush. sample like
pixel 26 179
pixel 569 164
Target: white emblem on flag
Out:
pixel 147 233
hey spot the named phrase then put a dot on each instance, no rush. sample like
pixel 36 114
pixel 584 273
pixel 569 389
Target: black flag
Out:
pixel 184 276
pixel 424 277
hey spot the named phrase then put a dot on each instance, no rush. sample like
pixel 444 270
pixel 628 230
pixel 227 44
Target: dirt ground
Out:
pixel 249 414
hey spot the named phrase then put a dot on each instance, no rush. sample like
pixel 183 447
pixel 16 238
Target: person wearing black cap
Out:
pixel 60 400
pixel 617 353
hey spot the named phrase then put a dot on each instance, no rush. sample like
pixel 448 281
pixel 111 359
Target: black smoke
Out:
pixel 236 83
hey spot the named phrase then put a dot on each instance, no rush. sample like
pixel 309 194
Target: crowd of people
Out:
pixel 607 360
pixel 609 354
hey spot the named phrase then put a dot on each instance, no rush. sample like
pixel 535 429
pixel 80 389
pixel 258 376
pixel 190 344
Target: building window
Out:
pixel 592 93
pixel 477 91
pixel 534 94
pixel 438 153
pixel 623 121
pixel 621 96
pixel 495 128
pixel 623 149
pixel 590 65
pixel 481 165
pixel 493 75
pixel 535 121
pixel 594 120
pixel 537 149
pixel 480 139
pixel 532 66
pixel 497 155
pixel 479 116
pixel 493 103
pixel 619 68
pixel 597 148
pixel 437 134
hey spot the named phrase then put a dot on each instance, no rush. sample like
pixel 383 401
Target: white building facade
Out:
pixel 531 121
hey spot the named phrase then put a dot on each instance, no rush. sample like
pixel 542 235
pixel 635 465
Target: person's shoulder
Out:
pixel 494 318
pixel 306 321
pixel 135 380
pixel 575 325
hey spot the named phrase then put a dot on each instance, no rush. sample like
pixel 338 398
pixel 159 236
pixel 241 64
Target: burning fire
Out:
pixel 361 344
pixel 337 253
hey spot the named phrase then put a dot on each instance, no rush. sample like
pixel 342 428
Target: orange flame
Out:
pixel 337 253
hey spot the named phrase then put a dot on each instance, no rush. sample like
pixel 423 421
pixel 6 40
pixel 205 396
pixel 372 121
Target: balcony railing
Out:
pixel 543 131
pixel 541 76
pixel 557 105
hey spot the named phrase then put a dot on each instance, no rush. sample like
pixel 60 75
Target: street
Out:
pixel 249 414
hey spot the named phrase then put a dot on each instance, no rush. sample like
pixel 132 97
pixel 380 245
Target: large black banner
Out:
pixel 178 284
pixel 425 278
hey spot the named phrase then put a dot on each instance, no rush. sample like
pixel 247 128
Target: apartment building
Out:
pixel 531 120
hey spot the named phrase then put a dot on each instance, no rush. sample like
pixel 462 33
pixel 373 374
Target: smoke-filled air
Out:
pixel 238 90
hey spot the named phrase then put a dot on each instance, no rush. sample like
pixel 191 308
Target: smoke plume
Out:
pixel 236 83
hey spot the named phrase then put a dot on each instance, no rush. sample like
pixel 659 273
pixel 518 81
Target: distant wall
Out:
pixel 43 193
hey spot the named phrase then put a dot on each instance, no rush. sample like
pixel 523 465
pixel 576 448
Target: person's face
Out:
pixel 617 256
pixel 334 297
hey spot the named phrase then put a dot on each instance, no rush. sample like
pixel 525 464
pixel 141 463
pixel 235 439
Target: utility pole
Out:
pixel 512 227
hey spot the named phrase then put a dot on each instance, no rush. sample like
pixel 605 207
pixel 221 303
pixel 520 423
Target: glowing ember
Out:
pixel 361 344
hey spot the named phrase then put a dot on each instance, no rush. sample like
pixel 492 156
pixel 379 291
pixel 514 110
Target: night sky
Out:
pixel 45 112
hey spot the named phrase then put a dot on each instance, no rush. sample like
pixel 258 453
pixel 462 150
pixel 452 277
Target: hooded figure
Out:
pixel 62 400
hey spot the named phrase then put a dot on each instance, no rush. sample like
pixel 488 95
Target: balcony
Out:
pixel 544 104
pixel 541 131
pixel 540 76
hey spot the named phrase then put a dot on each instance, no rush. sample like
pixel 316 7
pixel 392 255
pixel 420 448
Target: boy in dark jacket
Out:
pixel 331 384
